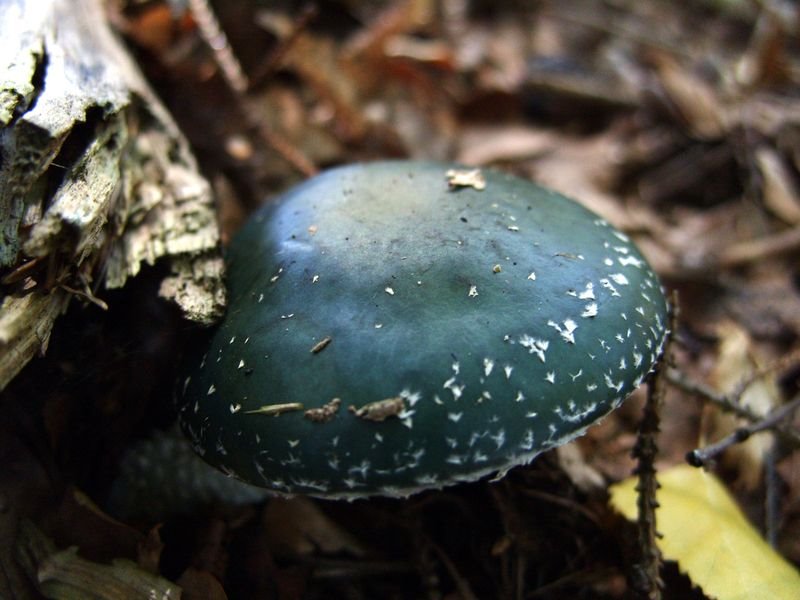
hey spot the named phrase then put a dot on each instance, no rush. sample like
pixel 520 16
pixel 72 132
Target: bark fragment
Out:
pixel 95 178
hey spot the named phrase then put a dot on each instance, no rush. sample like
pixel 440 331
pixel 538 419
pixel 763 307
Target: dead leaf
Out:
pixel 737 362
pixel 765 302
pixel 67 575
pixel 585 169
pixel 80 522
pixel 63 574
pixel 705 532
pixel 486 145
pixel 779 191
pixel 765 60
pixel 585 477
pixel 693 99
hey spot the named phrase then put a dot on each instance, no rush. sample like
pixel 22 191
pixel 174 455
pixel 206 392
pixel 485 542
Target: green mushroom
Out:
pixel 400 326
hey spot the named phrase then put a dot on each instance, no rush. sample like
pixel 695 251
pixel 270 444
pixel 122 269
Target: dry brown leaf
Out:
pixel 779 191
pixel 695 101
pixel 66 575
pixel 486 145
pixel 585 477
pixel 153 28
pixel 765 59
pixel 765 302
pixel 79 521
pixel 738 361
pixel 584 169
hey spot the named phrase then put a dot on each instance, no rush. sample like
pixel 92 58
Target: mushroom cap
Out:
pixel 399 326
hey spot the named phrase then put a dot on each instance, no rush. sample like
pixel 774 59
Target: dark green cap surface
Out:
pixel 399 326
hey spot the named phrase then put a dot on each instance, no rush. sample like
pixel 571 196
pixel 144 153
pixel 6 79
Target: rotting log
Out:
pixel 95 178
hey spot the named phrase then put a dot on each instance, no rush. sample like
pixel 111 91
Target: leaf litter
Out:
pixel 686 135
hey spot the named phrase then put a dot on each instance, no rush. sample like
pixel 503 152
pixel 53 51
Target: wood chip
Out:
pixel 473 178
pixel 321 345
pixel 324 413
pixel 380 410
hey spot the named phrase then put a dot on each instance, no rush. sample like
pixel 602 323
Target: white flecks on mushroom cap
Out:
pixel 586 332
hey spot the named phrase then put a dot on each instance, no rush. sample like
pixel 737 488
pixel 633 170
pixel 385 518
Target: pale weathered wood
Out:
pixel 95 178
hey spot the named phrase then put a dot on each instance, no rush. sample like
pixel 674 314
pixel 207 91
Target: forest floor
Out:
pixel 679 123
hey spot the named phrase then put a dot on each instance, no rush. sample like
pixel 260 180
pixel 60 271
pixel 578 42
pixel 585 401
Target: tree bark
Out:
pixel 95 178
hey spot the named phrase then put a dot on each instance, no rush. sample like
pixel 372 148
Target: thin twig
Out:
pixel 215 38
pixel 729 403
pixel 234 76
pixel 333 569
pixel 565 503
pixel 22 271
pixel 275 59
pixel 783 362
pixel 462 585
pixel 768 246
pixel 646 581
pixel 701 456
pixel 291 154
pixel 619 30
pixel 514 574
pixel 86 293
pixel 581 579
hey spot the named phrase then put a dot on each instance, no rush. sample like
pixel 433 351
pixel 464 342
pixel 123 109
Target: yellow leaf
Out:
pixel 710 539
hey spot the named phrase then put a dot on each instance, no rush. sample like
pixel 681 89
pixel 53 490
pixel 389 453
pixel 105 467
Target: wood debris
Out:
pixel 380 410
pixel 324 413
pixel 466 178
